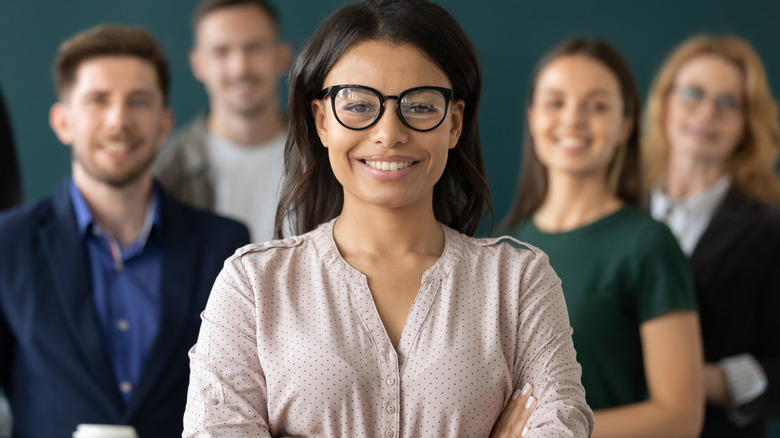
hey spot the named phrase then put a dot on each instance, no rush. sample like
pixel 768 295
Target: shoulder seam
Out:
pixel 289 242
pixel 512 241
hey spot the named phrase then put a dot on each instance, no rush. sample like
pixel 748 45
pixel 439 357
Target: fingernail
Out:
pixel 526 388
pixel 525 431
pixel 529 402
pixel 515 394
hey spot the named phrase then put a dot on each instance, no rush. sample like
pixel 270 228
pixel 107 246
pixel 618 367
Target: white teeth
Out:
pixel 389 165
pixel 571 142
pixel 116 146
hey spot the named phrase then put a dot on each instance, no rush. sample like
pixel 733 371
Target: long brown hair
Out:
pixel 311 193
pixel 752 165
pixel 623 174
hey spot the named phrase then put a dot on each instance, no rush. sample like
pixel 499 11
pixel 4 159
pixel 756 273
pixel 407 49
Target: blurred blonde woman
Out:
pixel 710 145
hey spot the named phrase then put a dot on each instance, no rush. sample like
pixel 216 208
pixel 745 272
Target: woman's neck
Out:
pixel 572 202
pixel 687 176
pixel 388 232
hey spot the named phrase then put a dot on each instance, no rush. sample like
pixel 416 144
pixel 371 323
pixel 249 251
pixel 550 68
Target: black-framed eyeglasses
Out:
pixel 359 107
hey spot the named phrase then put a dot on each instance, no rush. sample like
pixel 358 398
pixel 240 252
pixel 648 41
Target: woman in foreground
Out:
pixel 385 318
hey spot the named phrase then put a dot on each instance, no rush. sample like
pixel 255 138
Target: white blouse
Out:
pixel 292 345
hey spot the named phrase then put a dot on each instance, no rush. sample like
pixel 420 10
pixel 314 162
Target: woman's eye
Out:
pixel 691 94
pixel 596 107
pixel 728 103
pixel 553 104
pixel 421 108
pixel 358 108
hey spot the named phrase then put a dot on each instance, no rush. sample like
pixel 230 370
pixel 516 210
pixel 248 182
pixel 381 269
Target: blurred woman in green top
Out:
pixel 628 286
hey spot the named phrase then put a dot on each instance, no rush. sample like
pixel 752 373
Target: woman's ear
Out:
pixel 457 122
pixel 318 110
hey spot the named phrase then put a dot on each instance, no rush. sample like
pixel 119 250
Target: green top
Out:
pixel 617 273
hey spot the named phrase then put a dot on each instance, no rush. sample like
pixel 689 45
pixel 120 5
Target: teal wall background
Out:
pixel 509 36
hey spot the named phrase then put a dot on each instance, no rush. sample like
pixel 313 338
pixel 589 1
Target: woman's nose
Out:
pixel 389 130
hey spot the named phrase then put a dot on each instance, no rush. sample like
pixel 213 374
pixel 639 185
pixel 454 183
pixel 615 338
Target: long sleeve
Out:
pixel 227 392
pixel 548 359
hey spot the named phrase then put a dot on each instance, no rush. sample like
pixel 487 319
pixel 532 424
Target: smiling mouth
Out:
pixel 117 146
pixel 388 165
pixel 702 133
pixel 572 143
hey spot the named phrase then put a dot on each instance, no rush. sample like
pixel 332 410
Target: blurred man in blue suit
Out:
pixel 103 281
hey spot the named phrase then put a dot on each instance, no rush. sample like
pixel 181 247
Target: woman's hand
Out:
pixel 513 419
pixel 715 386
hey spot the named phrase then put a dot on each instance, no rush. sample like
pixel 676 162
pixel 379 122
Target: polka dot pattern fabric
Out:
pixel 292 345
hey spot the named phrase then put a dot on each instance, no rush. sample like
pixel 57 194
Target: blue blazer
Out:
pixel 53 364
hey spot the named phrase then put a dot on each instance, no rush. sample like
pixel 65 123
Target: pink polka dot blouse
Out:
pixel 292 345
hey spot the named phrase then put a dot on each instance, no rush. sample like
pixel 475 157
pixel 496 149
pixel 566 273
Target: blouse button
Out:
pixel 390 380
pixel 389 433
pixel 390 408
pixel 213 401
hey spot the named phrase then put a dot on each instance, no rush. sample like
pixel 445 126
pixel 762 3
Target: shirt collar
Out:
pixel 695 204
pixel 85 221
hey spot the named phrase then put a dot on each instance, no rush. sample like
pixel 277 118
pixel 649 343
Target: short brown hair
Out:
pixel 752 165
pixel 108 40
pixel 205 7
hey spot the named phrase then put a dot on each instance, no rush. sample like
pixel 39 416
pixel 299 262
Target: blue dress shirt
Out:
pixel 125 287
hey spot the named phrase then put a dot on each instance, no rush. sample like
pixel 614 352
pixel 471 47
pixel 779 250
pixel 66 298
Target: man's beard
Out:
pixel 118 181
pixel 253 109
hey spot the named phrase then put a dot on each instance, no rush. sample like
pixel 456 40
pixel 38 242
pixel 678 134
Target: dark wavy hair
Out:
pixel 10 184
pixel 623 176
pixel 311 194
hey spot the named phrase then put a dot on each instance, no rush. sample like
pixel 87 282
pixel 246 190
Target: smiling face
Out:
pixel 239 59
pixel 704 118
pixel 577 118
pixel 387 164
pixel 114 119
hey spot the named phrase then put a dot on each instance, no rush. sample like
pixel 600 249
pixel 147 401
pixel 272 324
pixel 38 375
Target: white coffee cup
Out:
pixel 104 431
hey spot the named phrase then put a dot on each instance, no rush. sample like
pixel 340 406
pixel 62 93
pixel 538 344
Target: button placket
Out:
pixel 386 356
pixel 391 419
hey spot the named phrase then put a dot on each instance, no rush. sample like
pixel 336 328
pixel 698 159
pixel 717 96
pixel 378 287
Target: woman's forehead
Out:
pixel 386 66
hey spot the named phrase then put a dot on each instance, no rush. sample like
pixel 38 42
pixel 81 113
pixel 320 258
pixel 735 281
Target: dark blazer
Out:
pixel 53 363
pixel 736 270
